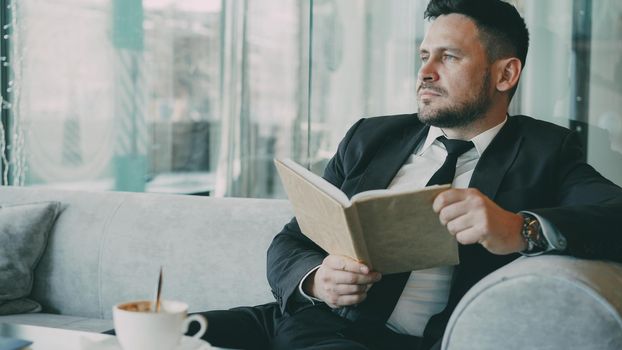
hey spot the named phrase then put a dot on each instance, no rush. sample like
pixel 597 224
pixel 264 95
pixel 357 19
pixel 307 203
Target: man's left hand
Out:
pixel 474 218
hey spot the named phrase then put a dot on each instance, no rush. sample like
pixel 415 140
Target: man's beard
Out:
pixel 460 114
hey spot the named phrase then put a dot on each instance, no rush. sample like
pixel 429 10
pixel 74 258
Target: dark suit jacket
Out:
pixel 530 165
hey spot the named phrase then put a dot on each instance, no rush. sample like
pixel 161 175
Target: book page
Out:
pixel 403 233
pixel 392 192
pixel 321 217
pixel 316 180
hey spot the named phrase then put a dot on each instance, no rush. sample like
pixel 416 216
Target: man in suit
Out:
pixel 520 186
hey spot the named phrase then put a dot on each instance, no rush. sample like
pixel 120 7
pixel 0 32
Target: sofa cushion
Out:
pixel 107 247
pixel 23 237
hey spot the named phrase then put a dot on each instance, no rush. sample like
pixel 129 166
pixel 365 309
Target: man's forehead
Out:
pixel 450 31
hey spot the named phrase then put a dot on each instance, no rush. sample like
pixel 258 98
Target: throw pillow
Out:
pixel 24 233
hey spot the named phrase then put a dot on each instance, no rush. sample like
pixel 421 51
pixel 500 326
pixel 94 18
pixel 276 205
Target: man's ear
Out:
pixel 509 70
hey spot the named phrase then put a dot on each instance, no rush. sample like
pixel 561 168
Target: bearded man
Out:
pixel 520 186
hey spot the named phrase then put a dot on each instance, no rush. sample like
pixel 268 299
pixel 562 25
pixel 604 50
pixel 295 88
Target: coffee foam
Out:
pixel 140 306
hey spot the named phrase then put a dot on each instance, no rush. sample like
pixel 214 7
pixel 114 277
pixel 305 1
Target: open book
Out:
pixel 390 231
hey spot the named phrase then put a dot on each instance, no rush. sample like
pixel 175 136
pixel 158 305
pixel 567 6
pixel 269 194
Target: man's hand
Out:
pixel 474 218
pixel 340 281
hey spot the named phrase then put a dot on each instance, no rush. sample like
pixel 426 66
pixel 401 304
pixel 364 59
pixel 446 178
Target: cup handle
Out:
pixel 202 322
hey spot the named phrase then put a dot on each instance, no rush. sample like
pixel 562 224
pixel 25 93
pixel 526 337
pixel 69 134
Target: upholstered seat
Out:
pixel 545 302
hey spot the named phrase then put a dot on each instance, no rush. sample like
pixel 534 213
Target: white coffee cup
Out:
pixel 138 327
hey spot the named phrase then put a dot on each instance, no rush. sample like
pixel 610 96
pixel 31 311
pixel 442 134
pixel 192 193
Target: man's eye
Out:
pixel 424 58
pixel 449 58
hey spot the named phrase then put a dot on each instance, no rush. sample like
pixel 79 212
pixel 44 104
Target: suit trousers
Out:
pixel 316 327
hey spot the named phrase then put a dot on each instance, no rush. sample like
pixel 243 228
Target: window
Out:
pixel 198 96
pixel 365 62
pixel 154 95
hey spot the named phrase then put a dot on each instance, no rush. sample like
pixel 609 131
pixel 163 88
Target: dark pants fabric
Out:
pixel 315 327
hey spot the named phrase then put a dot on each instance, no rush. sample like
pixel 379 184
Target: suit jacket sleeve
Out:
pixel 291 254
pixel 589 214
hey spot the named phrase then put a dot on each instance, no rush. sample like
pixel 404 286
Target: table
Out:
pixel 45 338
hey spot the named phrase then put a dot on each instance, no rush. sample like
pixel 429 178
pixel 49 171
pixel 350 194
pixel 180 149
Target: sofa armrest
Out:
pixel 544 302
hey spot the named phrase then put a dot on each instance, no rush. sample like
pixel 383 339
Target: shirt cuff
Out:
pixel 301 292
pixel 549 231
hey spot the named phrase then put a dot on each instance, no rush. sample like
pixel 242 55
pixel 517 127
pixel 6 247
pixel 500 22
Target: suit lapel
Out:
pixel 496 160
pixel 390 157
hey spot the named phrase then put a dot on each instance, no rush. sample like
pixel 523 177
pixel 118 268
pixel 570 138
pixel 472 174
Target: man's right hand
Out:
pixel 340 281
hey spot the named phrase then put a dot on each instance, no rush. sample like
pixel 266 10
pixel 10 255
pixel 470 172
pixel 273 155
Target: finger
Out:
pixel 448 197
pixel 343 263
pixel 459 224
pixel 351 299
pixel 456 217
pixel 342 277
pixel 331 305
pixel 469 236
pixel 453 211
pixel 347 289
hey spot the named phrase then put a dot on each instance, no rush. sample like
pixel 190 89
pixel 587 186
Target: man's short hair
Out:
pixel 502 29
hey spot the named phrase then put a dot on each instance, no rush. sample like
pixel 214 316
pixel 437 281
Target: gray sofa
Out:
pixel 107 247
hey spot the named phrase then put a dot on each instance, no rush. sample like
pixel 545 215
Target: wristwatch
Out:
pixel 532 234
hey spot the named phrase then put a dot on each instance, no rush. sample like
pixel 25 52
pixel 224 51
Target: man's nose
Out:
pixel 427 73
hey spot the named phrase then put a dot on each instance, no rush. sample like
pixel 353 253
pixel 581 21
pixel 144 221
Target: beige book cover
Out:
pixel 389 230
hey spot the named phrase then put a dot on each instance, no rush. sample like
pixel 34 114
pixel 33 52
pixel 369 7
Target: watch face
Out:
pixel 534 229
pixel 536 236
pixel 538 241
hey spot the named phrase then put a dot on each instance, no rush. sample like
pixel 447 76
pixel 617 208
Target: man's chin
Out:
pixel 426 117
pixel 439 120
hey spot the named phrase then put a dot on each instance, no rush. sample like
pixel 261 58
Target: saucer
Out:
pixel 187 343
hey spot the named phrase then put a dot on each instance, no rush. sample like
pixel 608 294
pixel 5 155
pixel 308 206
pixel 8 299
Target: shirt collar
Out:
pixel 481 141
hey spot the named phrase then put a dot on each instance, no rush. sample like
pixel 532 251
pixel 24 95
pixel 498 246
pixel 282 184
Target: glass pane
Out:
pixel 545 88
pixel 119 95
pixel 573 74
pixel 605 108
pixel 364 64
pixel 262 110
pixel 64 95
pixel 199 96
pixel 160 95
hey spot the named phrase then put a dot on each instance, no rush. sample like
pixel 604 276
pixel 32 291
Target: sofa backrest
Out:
pixel 107 247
